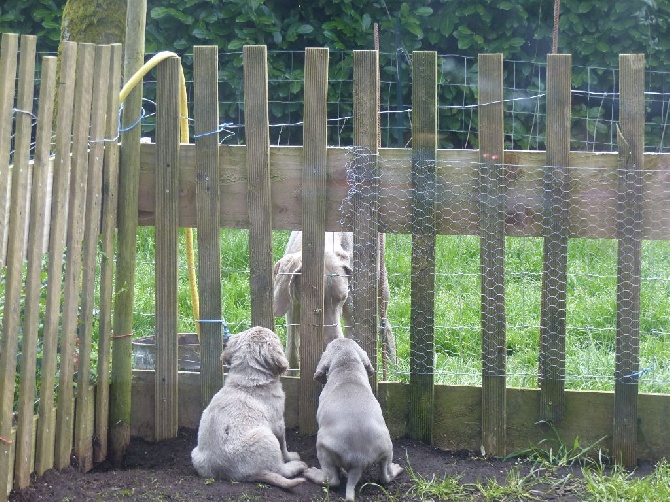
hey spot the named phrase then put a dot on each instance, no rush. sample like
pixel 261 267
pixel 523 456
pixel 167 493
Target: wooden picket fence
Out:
pixel 263 188
pixel 68 193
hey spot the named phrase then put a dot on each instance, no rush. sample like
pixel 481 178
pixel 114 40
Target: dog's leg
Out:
pixel 353 476
pixel 293 338
pixel 287 456
pixel 276 479
pixel 388 471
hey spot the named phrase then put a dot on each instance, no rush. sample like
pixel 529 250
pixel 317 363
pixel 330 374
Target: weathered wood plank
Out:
pixel 73 260
pixel 551 374
pixel 31 320
pixel 8 57
pixel 314 177
pixel 46 431
pixel 110 182
pixel 591 177
pixel 422 207
pixel 19 192
pixel 364 283
pixel 167 193
pixel 83 436
pixel 259 198
pixel 492 212
pixel 206 115
pixel 629 230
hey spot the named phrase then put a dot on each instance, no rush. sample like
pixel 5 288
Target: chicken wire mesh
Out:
pixel 583 295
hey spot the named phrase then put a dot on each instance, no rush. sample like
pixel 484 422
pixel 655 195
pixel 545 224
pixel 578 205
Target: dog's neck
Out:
pixel 255 380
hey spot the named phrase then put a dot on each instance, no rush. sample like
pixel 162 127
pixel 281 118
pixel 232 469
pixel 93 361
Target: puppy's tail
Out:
pixel 273 478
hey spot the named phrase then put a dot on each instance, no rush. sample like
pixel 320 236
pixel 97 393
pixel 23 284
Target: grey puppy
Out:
pixel 242 433
pixel 352 432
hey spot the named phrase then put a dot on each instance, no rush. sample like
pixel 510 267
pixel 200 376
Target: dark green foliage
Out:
pixel 595 32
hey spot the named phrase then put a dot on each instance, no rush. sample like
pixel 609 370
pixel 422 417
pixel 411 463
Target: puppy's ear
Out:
pixel 365 360
pixel 273 357
pixel 285 271
pixel 321 373
pixel 228 351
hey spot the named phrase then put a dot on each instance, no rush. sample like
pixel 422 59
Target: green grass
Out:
pixel 591 306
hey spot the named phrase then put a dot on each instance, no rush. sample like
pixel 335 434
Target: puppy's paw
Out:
pixel 291 456
pixel 293 468
pixel 315 475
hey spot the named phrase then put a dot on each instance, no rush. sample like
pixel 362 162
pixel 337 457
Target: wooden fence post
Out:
pixel 551 374
pixel 9 342
pixel 493 206
pixel 364 282
pixel 110 187
pixel 422 316
pixel 259 200
pixel 629 234
pixel 73 261
pixel 314 191
pixel 206 115
pixel 167 242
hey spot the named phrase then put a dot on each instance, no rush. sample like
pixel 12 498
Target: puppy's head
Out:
pixel 256 350
pixel 341 352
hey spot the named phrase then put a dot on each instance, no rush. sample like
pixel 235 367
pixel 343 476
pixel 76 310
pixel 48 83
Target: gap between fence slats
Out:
pixel 206 116
pixel 551 374
pixel 629 230
pixel 364 283
pixel 313 241
pixel 492 200
pixel 167 240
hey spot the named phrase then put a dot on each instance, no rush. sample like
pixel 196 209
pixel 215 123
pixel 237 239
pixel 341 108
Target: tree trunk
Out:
pixel 94 21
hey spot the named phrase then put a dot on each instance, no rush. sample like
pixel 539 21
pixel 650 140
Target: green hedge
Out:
pixel 595 32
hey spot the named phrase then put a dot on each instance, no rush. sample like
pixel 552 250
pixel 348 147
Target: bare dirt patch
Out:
pixel 163 471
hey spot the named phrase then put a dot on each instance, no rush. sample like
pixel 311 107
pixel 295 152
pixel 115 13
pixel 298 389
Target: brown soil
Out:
pixel 163 471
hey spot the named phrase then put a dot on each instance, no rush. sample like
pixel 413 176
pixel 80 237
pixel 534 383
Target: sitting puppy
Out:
pixel 352 432
pixel 242 434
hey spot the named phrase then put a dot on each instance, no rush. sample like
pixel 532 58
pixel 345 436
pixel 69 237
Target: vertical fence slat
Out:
pixel 259 202
pixel 120 390
pixel 492 195
pixel 15 249
pixel 313 236
pixel 422 316
pixel 629 230
pixel 364 283
pixel 167 221
pixel 74 241
pixel 110 181
pixel 46 432
pixel 206 115
pixel 556 227
pixel 8 57
pixel 83 437
pixel 31 321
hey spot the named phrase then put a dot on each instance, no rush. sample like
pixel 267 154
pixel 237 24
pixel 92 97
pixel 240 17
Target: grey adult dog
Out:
pixel 352 432
pixel 337 302
pixel 242 433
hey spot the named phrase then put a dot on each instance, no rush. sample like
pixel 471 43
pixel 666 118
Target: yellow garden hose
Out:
pixel 184 138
